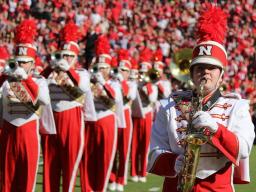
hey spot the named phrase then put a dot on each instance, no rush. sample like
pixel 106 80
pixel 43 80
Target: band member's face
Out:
pixel 210 74
pixel 70 59
pixel 105 71
pixel 125 73
pixel 27 66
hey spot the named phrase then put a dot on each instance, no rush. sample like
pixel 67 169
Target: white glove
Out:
pixel 100 78
pixel 145 90
pixel 63 65
pixel 19 73
pixel 179 164
pixel 204 120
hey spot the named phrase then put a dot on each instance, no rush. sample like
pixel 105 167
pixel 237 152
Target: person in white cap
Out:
pixel 142 123
pixel 23 96
pixel 163 84
pixel 68 86
pixel 100 146
pixel 118 177
pixel 224 120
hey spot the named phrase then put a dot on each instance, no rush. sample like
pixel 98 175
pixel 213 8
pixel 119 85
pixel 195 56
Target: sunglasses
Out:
pixel 125 70
pixel 67 55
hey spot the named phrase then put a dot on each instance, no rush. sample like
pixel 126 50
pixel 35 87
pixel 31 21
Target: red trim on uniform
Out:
pixel 227 143
pixel 161 88
pixel 206 98
pixel 149 88
pixel 164 165
pixel 46 72
pixel 74 76
pixel 3 77
pixel 110 91
pixel 31 87
pixel 125 88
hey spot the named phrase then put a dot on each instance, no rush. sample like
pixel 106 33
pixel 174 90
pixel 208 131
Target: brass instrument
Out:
pixel 179 68
pixel 152 75
pixel 100 95
pixel 193 141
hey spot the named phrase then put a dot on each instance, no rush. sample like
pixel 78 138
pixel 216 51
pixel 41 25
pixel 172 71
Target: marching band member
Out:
pixel 119 172
pixel 163 84
pixel 23 97
pixel 101 136
pixel 63 152
pixel 4 56
pixel 225 120
pixel 142 124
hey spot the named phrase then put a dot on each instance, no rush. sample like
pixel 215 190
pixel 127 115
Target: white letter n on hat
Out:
pixel 205 50
pixel 23 50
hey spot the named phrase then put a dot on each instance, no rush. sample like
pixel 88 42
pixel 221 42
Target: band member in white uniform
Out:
pixel 142 124
pixel 24 97
pixel 68 86
pixel 101 136
pixel 118 177
pixel 223 119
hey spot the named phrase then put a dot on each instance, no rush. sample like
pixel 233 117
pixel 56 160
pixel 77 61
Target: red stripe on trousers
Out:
pixel 99 145
pixel 60 151
pixel 140 144
pixel 19 157
pixel 124 136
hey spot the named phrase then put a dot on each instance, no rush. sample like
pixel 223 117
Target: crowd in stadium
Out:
pixel 133 25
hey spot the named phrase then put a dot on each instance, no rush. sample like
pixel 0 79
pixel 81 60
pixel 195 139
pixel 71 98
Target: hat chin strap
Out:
pixel 29 71
pixel 219 79
pixel 73 62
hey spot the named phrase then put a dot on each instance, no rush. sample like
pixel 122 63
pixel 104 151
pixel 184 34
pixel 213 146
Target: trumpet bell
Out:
pixel 180 66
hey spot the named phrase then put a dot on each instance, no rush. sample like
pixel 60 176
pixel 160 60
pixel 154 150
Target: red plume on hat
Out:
pixel 124 59
pixel 212 24
pixel 102 48
pixel 158 60
pixel 69 36
pixel 134 63
pixel 25 34
pixel 211 33
pixel 102 45
pixel 4 54
pixel 70 32
pixel 158 55
pixel 134 70
pixel 114 62
pixel 145 60
pixel 146 55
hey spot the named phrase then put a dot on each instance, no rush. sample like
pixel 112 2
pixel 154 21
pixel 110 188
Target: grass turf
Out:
pixel 154 183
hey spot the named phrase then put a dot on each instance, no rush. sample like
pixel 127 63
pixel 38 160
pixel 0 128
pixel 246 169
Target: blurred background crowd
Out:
pixel 135 24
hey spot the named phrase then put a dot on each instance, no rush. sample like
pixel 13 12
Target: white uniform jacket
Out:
pixel 232 142
pixel 27 100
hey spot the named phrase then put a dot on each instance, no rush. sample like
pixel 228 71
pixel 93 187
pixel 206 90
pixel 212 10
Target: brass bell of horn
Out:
pixel 180 66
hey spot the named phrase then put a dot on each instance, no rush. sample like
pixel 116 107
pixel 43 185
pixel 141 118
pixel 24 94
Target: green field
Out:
pixel 154 183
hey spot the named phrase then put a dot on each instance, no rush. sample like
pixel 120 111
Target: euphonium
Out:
pixel 193 141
